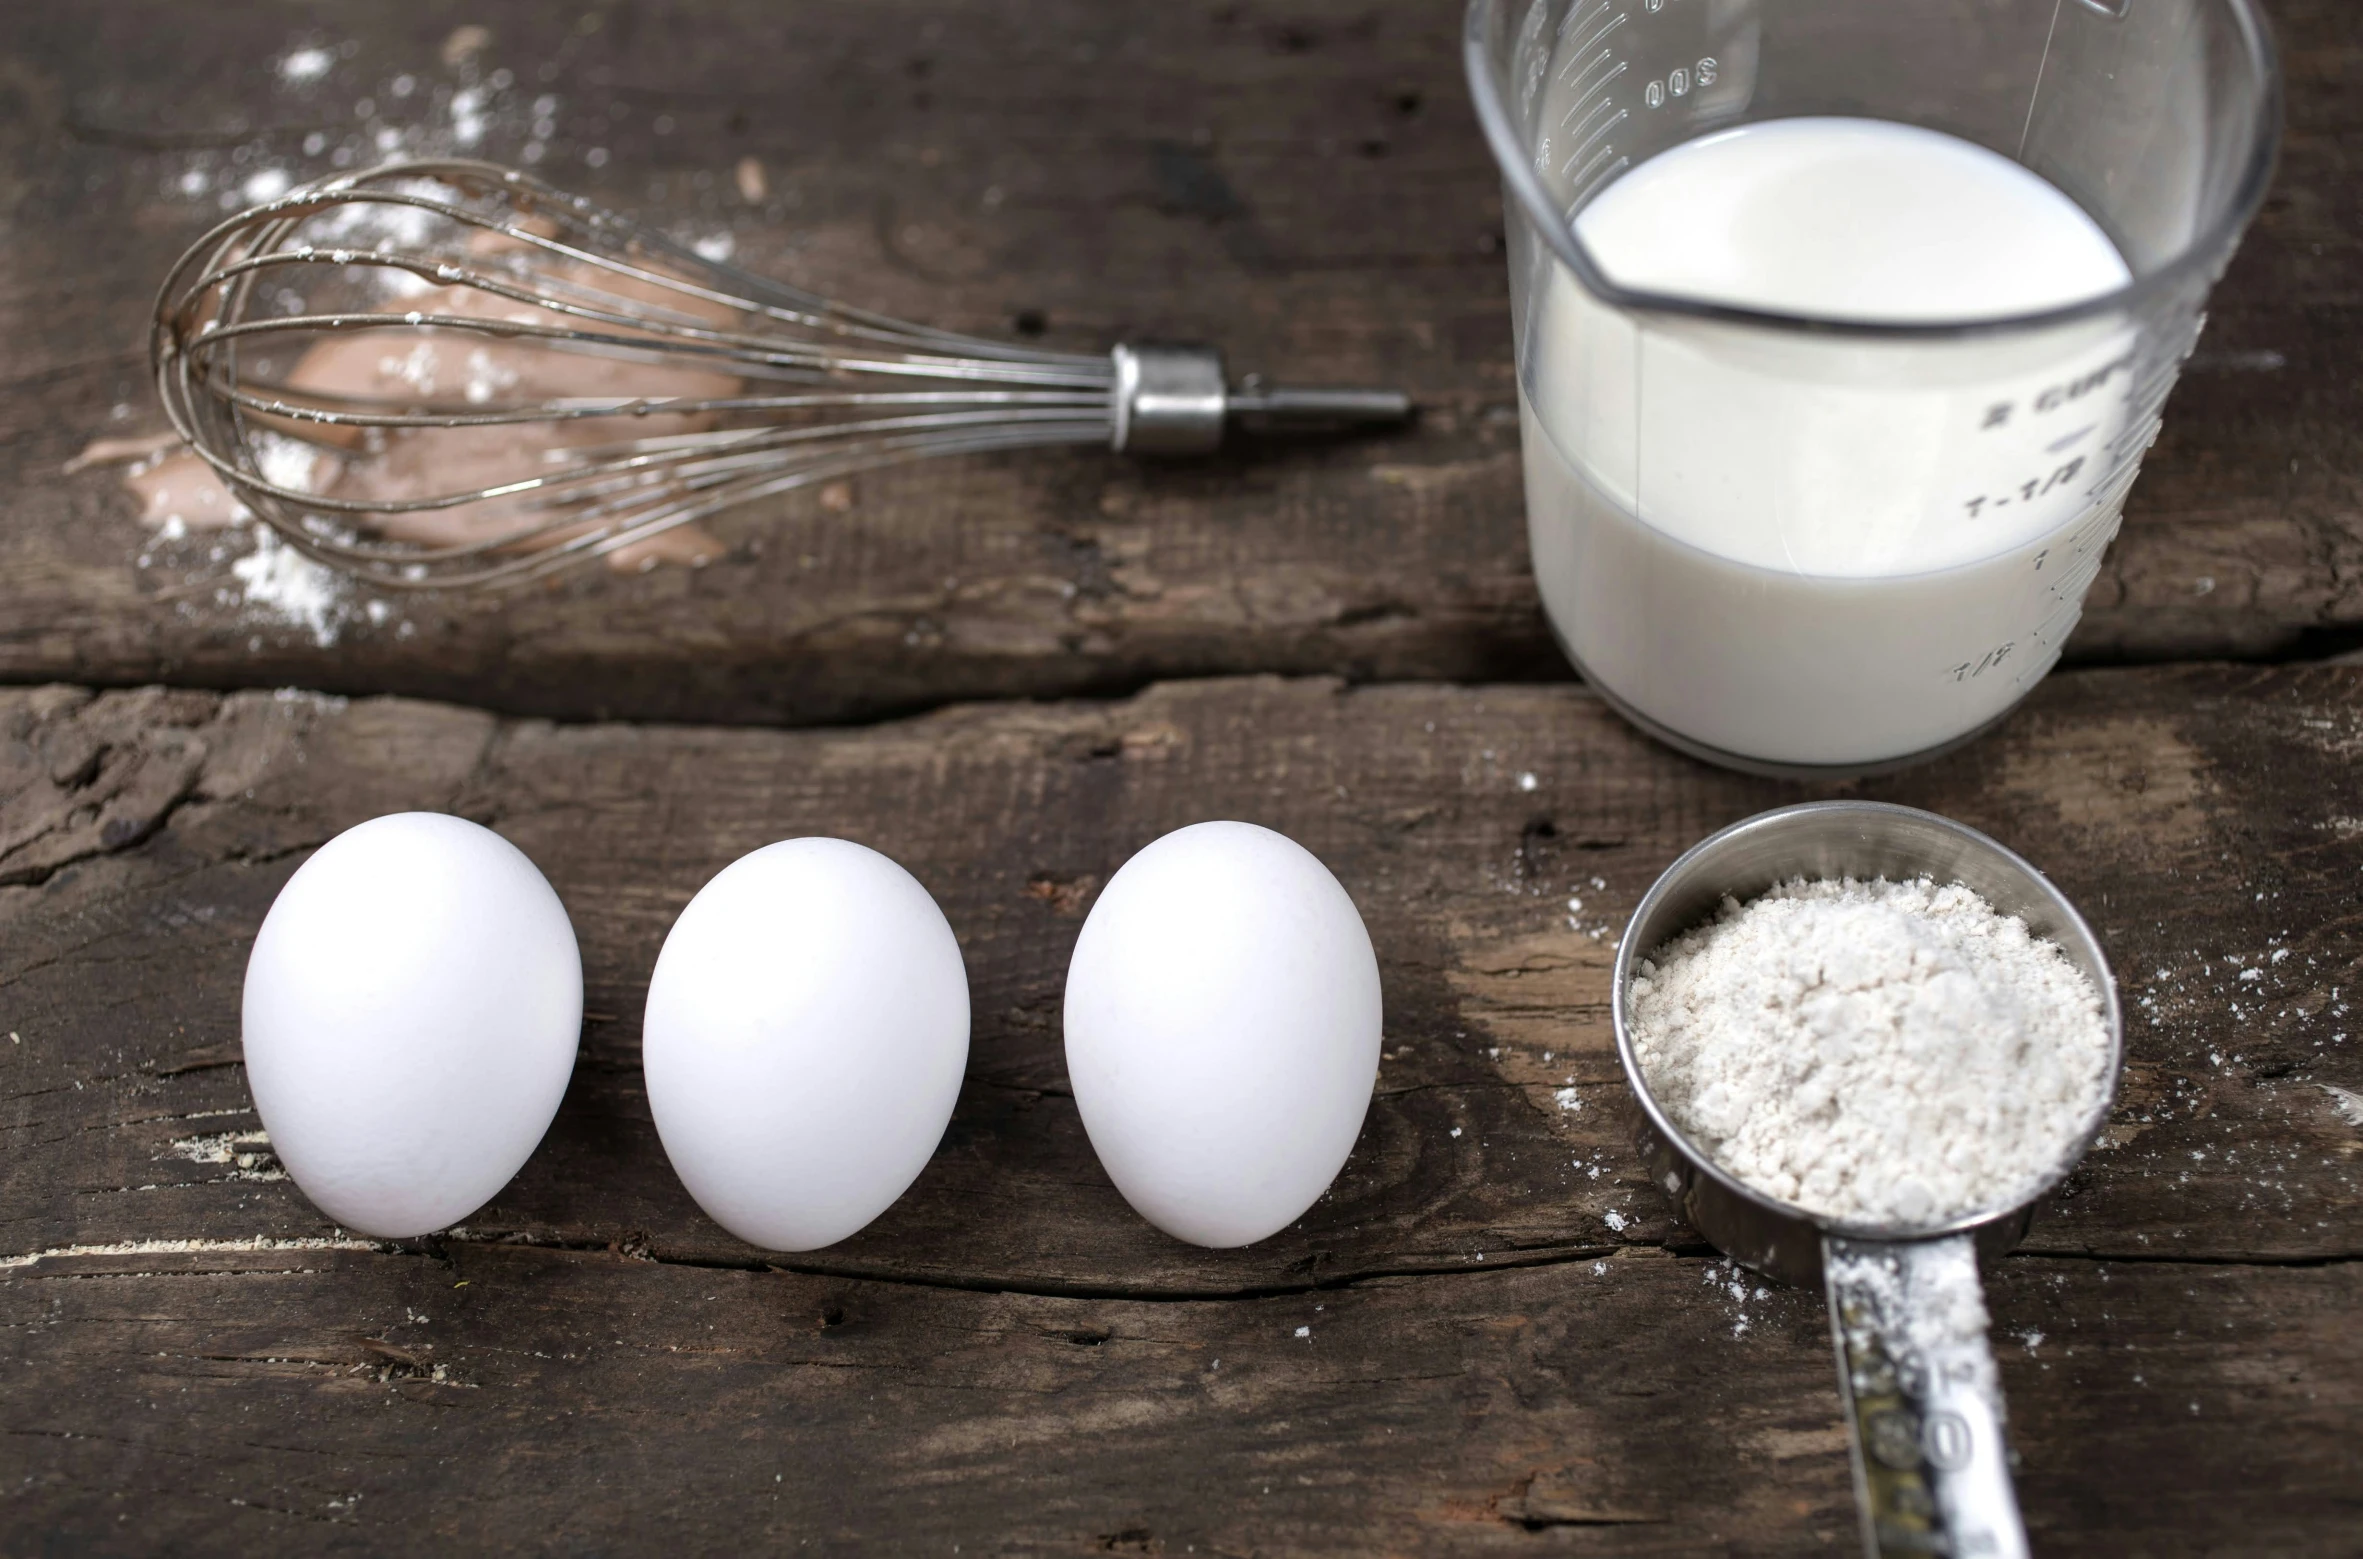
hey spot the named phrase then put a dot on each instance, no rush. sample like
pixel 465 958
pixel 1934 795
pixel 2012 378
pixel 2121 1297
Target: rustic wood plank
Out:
pixel 1302 180
pixel 2206 819
pixel 196 1361
pixel 206 1402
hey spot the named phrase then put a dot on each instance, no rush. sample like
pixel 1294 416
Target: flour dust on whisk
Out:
pixel 495 380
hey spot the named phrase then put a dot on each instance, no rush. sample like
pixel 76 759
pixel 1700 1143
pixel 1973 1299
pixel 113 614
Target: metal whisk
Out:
pixel 503 380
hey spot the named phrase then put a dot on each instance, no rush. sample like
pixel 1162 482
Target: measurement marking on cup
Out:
pixel 1583 19
pixel 1585 145
pixel 1678 82
pixel 1970 669
pixel 2065 393
pixel 1604 166
pixel 2098 531
pixel 2027 491
pixel 1567 120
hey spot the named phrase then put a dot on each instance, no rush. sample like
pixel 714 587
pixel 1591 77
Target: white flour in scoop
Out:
pixel 1892 1053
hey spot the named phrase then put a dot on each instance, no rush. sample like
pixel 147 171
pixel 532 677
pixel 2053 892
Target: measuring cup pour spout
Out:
pixel 1907 1314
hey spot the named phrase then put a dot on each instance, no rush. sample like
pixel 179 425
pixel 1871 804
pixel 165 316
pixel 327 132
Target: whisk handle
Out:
pixel 1291 409
pixel 1170 400
pixel 1173 400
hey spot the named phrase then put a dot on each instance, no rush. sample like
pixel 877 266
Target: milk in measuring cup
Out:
pixel 1821 549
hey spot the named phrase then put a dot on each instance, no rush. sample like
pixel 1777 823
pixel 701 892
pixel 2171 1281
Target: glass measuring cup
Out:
pixel 1907 1318
pixel 1813 545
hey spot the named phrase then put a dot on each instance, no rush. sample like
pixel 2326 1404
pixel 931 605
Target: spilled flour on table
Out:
pixel 195 520
pixel 282 582
pixel 199 1247
pixel 345 106
pixel 248 1154
pixel 2347 1102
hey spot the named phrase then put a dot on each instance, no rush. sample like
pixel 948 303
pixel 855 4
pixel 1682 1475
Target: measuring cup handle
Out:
pixel 1931 1473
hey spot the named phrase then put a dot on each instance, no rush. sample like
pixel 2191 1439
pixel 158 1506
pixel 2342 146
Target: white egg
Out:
pixel 411 1011
pixel 1222 1021
pixel 806 1035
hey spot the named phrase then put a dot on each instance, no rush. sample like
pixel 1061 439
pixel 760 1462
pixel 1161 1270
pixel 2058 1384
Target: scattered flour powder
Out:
pixel 279 580
pixel 1872 1052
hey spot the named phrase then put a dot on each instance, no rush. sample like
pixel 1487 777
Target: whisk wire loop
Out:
pixel 403 372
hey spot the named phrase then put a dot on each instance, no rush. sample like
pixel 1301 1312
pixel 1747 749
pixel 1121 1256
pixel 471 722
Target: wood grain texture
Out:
pixel 1515 1346
pixel 496 1397
pixel 1302 181
pixel 1507 1344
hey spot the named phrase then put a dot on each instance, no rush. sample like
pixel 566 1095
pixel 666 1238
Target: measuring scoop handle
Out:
pixel 1923 1402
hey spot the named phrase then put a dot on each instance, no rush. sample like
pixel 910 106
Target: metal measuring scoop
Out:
pixel 1907 1317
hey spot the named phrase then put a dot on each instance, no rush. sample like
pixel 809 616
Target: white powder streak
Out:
pixel 2347 1102
pixel 284 583
pixel 293 464
pixel 248 1154
pixel 303 65
pixel 258 1242
pixel 266 184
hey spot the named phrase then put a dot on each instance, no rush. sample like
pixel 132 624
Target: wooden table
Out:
pixel 1010 674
